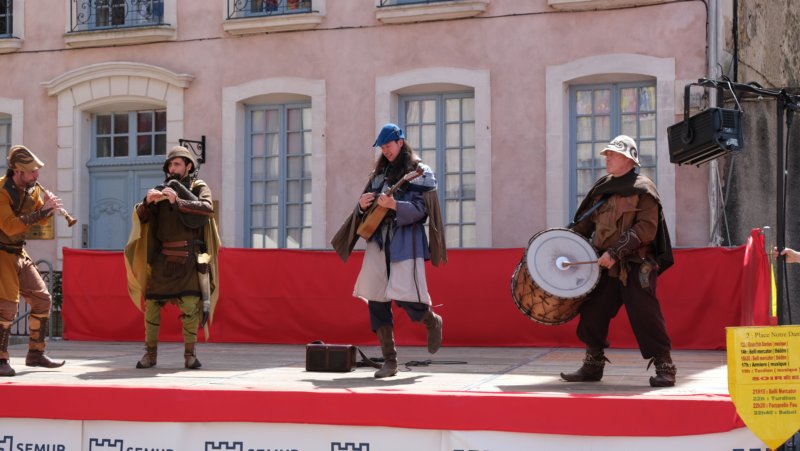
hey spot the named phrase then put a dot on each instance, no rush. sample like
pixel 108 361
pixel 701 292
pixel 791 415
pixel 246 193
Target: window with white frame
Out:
pixel 253 8
pixel 278 185
pixel 5 142
pixel 130 134
pixel 6 18
pixel 600 112
pixel 440 127
pixel 105 14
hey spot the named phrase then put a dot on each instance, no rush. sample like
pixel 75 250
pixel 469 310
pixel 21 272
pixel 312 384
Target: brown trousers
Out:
pixel 34 290
pixel 641 304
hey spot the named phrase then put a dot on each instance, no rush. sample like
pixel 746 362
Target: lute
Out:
pixel 376 213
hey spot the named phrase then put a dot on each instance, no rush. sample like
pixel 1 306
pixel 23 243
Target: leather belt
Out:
pixel 11 249
pixel 174 244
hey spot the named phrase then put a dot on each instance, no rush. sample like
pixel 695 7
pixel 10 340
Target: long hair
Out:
pixel 405 162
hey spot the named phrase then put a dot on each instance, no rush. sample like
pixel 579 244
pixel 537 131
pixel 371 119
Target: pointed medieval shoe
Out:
pixel 386 339
pixel 149 358
pixel 665 371
pixel 5 369
pixel 38 358
pixel 189 358
pixel 592 368
pixel 433 323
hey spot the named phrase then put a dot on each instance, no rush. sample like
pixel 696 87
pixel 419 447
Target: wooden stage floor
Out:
pixel 452 369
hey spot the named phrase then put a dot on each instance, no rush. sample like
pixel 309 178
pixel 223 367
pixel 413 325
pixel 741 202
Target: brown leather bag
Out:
pixel 335 358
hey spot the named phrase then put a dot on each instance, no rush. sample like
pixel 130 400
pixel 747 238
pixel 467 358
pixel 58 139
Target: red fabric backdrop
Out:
pixel 295 296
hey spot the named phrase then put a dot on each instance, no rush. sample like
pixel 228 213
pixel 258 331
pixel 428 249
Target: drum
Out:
pixel 557 271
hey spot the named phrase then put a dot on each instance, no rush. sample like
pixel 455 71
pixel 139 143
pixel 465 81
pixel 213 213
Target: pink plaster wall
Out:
pixel 516 40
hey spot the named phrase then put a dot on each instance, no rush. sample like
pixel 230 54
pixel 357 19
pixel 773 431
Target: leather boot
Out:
pixel 189 359
pixel 36 355
pixel 386 339
pixel 5 368
pixel 38 358
pixel 592 368
pixel 149 358
pixel 433 323
pixel 665 370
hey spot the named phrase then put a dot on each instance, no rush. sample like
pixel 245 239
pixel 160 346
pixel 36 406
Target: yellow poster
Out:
pixel 764 380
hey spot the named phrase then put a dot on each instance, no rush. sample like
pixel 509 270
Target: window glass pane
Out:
pixel 628 101
pixel 257 195
pixel 602 128
pixel 144 121
pixel 273 121
pixel 272 193
pixel 273 167
pixel 271 218
pixel 294 193
pixel 295 119
pixel 103 147
pixel 453 159
pixel 647 125
pixel 629 125
pixel 121 146
pixel 429 136
pixel 468 211
pixel 647 152
pixel 121 123
pixel 585 155
pixel 468 186
pixel 452 135
pixel 453 186
pixel 258 121
pixel 161 144
pixel 583 102
pixel 428 111
pixel 584 128
pixel 273 144
pixel 294 238
pixel 468 160
pixel 452 110
pixel 453 211
pixel 294 143
pixel 103 124
pixel 647 98
pixel 468 236
pixel 602 101
pixel 257 213
pixel 307 198
pixel 468 109
pixel 294 215
pixel 258 145
pixel 412 112
pixel 468 134
pixel 144 145
pixel 161 121
pixel 258 168
pixel 271 241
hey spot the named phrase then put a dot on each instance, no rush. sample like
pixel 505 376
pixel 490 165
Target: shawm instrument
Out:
pixel 376 213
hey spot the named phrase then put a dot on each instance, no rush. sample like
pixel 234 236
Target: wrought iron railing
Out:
pixel 238 9
pixel 110 14
pixel 408 2
pixel 6 18
pixel 55 326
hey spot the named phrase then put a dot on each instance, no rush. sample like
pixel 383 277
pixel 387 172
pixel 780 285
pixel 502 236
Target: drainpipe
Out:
pixel 714 189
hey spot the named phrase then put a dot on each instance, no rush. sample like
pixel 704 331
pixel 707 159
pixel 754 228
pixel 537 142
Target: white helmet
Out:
pixel 625 145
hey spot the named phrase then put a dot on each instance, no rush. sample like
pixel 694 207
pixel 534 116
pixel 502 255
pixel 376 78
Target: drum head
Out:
pixel 548 256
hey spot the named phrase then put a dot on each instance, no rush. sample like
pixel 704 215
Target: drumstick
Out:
pixel 569 263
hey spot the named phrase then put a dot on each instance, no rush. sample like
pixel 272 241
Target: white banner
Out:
pixel 62 435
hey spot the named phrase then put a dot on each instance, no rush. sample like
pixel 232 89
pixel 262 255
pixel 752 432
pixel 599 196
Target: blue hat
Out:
pixel 389 132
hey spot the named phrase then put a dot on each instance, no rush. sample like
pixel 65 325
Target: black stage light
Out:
pixel 708 135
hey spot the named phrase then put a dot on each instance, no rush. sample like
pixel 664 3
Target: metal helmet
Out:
pixel 180 151
pixel 20 158
pixel 625 145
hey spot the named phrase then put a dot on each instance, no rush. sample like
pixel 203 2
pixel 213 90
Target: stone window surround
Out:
pixel 87 88
pixel 424 12
pixel 234 100
pixel 12 44
pixel 387 92
pixel 558 80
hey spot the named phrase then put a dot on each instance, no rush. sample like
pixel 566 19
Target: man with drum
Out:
pixel 629 231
